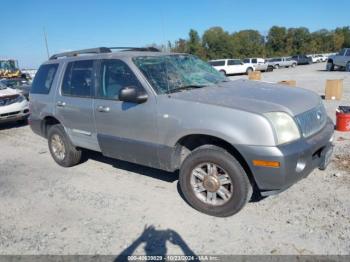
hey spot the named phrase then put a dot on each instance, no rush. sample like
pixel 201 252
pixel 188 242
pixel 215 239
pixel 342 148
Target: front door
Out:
pixel 125 131
pixel 74 103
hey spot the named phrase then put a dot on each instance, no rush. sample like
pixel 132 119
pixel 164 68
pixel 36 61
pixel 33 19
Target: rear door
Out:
pixel 235 66
pixel 74 103
pixel 125 131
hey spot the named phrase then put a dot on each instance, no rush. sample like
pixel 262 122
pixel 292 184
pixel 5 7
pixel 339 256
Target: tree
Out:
pixel 248 43
pixel 276 41
pixel 194 45
pixel 217 43
pixel 300 40
pixel 180 46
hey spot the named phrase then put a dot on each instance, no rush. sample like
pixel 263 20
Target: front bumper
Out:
pixel 297 160
pixel 14 112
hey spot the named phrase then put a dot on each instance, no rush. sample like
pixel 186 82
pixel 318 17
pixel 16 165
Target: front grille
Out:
pixel 10 114
pixel 312 121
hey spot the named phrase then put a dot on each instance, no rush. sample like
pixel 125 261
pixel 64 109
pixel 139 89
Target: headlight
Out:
pixel 285 127
pixel 20 98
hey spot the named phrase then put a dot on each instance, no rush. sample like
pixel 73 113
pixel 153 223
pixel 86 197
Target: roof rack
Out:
pixel 100 50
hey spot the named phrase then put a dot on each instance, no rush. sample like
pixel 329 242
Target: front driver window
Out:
pixel 115 75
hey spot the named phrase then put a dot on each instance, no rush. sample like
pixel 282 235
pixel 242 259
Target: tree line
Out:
pixel 216 43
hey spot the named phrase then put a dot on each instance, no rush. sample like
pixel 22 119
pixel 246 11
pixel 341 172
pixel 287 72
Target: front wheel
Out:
pixel 294 65
pixel 223 72
pixel 249 70
pixel 276 66
pixel 61 149
pixel 213 182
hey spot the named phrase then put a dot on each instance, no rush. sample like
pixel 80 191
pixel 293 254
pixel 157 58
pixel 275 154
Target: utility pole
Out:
pixel 47 46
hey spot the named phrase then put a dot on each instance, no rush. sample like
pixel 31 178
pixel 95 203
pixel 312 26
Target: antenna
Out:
pixel 46 44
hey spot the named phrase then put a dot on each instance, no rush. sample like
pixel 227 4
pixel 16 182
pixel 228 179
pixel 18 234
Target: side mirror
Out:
pixel 132 94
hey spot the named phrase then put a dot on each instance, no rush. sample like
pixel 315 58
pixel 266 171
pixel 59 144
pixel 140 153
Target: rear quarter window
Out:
pixel 217 63
pixel 43 79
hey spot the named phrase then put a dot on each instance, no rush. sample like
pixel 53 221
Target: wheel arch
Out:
pixel 47 122
pixel 186 144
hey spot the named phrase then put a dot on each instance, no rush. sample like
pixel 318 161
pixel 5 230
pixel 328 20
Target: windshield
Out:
pixel 169 72
pixel 8 65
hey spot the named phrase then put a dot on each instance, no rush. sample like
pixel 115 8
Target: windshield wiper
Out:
pixel 187 87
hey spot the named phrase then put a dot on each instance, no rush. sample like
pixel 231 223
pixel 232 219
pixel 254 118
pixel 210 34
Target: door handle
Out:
pixel 103 109
pixel 61 104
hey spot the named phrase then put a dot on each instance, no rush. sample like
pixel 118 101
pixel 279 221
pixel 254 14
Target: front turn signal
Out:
pixel 264 163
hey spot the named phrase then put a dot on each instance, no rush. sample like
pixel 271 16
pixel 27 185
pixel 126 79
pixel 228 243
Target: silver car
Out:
pixel 174 112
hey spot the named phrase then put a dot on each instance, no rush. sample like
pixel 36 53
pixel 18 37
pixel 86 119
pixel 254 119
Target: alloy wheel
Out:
pixel 58 147
pixel 211 184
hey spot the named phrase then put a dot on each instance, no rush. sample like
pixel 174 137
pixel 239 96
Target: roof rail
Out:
pixel 100 50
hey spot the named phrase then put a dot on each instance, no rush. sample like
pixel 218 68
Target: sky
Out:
pixel 78 24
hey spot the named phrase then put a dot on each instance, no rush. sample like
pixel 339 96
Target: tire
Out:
pixel 71 156
pixel 269 69
pixel 330 66
pixel 249 70
pixel 223 72
pixel 276 66
pixel 241 189
pixel 294 65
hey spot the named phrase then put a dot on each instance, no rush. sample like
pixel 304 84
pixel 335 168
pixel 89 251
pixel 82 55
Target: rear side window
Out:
pixel 348 52
pixel 43 79
pixel 246 61
pixel 217 63
pixel 78 79
pixel 234 62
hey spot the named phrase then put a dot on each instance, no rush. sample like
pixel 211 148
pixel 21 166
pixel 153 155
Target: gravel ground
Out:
pixel 106 206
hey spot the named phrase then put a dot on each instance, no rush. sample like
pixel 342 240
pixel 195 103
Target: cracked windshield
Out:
pixel 172 73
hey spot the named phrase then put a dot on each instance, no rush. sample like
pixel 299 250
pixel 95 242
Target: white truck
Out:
pixel 340 60
pixel 278 62
pixel 232 66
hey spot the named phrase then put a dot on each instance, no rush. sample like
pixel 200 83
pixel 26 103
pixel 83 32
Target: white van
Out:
pixel 232 66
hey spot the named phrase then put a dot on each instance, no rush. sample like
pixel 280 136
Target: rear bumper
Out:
pixel 36 126
pixel 297 160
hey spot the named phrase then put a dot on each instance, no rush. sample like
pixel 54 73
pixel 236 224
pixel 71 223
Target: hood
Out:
pixel 254 96
pixel 8 92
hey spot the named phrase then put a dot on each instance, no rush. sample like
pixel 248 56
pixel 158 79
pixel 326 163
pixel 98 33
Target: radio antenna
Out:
pixel 46 44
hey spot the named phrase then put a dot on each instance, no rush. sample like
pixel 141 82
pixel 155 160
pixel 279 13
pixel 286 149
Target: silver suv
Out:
pixel 175 112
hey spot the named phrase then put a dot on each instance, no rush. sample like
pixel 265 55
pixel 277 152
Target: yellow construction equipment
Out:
pixel 9 69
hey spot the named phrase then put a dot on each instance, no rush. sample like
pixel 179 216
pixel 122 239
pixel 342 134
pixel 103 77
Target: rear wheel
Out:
pixel 330 66
pixel 276 66
pixel 61 149
pixel 294 65
pixel 213 182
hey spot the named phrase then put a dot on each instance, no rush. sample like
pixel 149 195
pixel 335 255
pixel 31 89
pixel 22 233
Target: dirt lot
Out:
pixel 104 206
